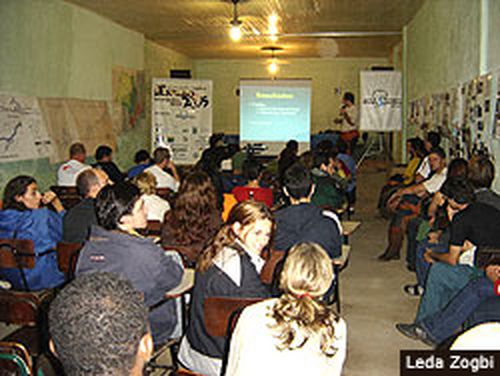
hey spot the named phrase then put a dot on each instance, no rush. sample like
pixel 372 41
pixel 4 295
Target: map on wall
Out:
pixel 72 120
pixel 128 90
pixel 23 134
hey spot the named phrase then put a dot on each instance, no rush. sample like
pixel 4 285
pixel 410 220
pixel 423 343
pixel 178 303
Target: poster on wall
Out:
pixel 181 117
pixel 128 86
pixel 381 99
pixel 23 134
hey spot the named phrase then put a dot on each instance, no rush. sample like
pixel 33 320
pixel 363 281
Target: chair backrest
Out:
pixel 67 257
pixel 166 194
pixel 68 195
pixel 218 311
pixel 189 255
pixel 153 228
pixel 17 253
pixel 20 308
pixel 267 273
pixel 15 359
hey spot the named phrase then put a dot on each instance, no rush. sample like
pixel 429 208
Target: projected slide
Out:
pixel 275 110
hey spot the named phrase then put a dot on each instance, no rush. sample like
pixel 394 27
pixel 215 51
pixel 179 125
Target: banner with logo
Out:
pixel 381 100
pixel 182 117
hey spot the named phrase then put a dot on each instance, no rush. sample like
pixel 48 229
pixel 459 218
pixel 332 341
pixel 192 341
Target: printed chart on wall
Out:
pixel 182 117
pixel 22 131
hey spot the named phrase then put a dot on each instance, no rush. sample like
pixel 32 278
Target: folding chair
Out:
pixel 15 359
pixel 67 257
pixel 68 195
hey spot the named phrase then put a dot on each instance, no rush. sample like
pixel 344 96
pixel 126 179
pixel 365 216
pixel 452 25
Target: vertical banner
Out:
pixel 381 99
pixel 182 117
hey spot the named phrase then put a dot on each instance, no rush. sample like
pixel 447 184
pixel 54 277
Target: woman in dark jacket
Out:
pixel 230 266
pixel 116 247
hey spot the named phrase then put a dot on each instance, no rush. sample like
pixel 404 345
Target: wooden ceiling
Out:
pixel 199 28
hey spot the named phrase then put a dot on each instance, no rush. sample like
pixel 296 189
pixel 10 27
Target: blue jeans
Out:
pixel 444 323
pixel 444 281
pixel 422 266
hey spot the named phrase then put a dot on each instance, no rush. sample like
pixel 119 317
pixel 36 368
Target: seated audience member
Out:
pixel 142 161
pixel 350 163
pixel 252 172
pixel 68 171
pixel 424 171
pixel 481 174
pixel 161 158
pixel 303 221
pixel 104 161
pixel 80 218
pixel 116 247
pixel 430 228
pixel 155 206
pixel 23 217
pixel 230 266
pixel 194 218
pixel 99 326
pixel 407 203
pixel 295 334
pixel 416 152
pixel 329 188
pixel 439 326
pixel 210 163
pixel 306 159
pixel 287 157
pixel 473 224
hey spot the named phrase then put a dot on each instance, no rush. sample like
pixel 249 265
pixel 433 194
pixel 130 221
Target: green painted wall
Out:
pixel 54 49
pixel 444 48
pixel 443 45
pixel 326 74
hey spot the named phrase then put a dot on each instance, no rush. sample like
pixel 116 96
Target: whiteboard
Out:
pixel 381 101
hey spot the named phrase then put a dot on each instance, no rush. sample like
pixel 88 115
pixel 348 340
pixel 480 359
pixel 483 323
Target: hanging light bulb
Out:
pixel 235 30
pixel 273 67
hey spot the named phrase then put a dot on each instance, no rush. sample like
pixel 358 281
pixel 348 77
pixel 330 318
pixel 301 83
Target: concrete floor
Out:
pixel 372 296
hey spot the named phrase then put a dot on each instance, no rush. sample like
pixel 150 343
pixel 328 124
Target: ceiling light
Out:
pixel 273 66
pixel 235 31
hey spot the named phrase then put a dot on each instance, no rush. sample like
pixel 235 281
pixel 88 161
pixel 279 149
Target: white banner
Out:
pixel 381 99
pixel 182 117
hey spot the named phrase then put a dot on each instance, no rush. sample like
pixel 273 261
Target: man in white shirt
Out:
pixel 68 171
pixel 162 161
pixel 408 206
pixel 432 141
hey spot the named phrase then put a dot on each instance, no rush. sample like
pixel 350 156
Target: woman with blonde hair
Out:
pixel 296 334
pixel 230 266
pixel 155 206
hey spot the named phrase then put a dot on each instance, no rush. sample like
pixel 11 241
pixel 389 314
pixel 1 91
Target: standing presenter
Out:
pixel 348 118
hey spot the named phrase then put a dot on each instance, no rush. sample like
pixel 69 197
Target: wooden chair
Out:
pixel 23 308
pixel 15 359
pixel 269 271
pixel 68 195
pixel 189 255
pixel 17 254
pixel 339 264
pixel 67 257
pixel 220 313
pixel 166 194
